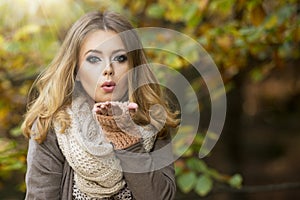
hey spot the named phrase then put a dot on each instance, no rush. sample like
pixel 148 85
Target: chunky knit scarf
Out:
pixel 97 171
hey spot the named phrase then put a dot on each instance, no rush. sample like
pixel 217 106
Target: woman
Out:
pixel 96 118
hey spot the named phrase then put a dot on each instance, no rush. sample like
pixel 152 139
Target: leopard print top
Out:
pixel 123 194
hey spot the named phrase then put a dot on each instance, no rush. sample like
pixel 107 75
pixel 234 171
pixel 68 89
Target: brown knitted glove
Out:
pixel 118 127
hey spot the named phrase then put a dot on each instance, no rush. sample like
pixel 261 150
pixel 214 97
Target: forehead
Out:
pixel 105 41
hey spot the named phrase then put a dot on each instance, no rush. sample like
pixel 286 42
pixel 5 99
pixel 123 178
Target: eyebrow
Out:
pixel 100 52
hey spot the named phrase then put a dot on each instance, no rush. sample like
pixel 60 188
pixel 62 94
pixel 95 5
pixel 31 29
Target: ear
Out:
pixel 77 78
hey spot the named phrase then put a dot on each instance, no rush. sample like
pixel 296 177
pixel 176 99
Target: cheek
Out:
pixel 89 75
pixel 89 78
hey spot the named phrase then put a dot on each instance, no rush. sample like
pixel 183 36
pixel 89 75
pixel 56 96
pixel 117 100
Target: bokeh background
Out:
pixel 254 43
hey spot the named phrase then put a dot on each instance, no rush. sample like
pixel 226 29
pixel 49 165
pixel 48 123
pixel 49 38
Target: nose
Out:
pixel 108 71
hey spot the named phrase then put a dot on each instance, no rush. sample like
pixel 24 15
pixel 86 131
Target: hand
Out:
pixel 109 109
pixel 117 125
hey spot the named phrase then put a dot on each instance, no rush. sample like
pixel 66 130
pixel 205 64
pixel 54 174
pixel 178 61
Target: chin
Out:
pixel 110 97
pixel 103 98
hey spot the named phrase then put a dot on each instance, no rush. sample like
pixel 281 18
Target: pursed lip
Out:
pixel 108 86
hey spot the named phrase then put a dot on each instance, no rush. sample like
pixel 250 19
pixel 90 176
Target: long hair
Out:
pixel 52 91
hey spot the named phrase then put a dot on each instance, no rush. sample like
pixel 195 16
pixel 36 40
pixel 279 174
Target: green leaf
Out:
pixel 236 181
pixel 222 6
pixel 15 165
pixel 204 185
pixel 186 181
pixel 12 47
pixel 178 170
pixel 156 11
pixel 5 146
pixel 256 74
pixel 188 153
pixel 197 165
pixel 16 131
pixel 190 10
pixel 199 139
pixel 174 61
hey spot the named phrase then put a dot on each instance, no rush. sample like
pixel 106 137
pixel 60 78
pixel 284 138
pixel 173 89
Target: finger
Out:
pixel 110 110
pixel 103 110
pixel 132 107
pixel 106 108
pixel 96 109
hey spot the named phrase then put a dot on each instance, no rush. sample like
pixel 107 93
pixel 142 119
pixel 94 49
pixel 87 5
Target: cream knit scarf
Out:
pixel 97 171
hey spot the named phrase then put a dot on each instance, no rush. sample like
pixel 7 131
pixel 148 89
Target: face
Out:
pixel 103 66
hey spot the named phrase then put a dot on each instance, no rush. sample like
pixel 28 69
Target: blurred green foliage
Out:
pixel 254 36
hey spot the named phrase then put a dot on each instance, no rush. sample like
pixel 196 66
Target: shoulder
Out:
pixel 48 148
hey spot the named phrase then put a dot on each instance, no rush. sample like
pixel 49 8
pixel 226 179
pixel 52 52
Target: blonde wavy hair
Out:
pixel 52 91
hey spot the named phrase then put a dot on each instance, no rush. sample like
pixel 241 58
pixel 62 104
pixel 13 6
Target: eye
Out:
pixel 93 59
pixel 120 59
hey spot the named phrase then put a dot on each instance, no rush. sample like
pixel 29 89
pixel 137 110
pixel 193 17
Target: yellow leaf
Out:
pixel 257 15
pixel 272 22
pixel 26 30
pixel 203 4
pixel 225 42
pixel 1 40
pixel 138 6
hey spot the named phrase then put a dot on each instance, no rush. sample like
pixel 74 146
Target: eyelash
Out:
pixel 95 59
pixel 120 59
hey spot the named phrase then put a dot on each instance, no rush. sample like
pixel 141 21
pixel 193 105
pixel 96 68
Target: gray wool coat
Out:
pixel 49 176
